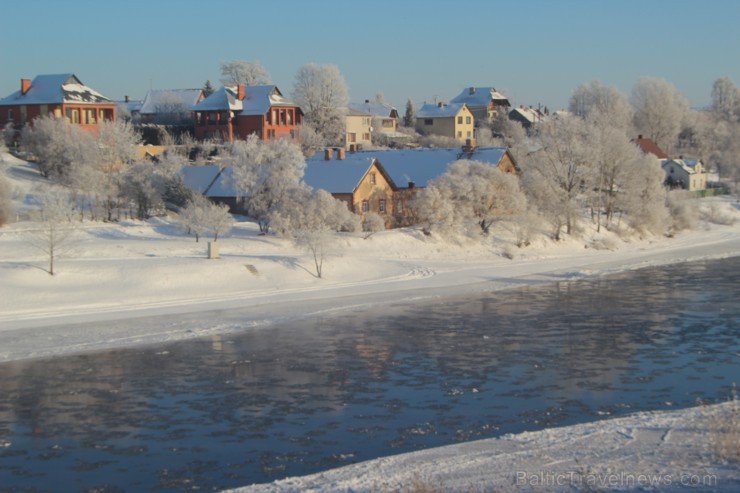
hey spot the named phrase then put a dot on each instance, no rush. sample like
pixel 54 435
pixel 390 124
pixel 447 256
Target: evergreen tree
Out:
pixel 410 115
pixel 208 88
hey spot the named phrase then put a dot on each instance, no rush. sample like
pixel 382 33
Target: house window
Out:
pixel 352 137
pixel 365 206
pixel 428 121
pixel 459 135
pixel 467 120
pixel 289 115
pixel 88 117
pixel 399 207
pixel 73 115
pixel 212 118
pixel 468 134
pixel 366 136
pixel 223 118
pixel 381 206
pixel 10 115
pixel 387 123
pixel 372 178
pixel 24 113
pixel 459 120
pixel 43 109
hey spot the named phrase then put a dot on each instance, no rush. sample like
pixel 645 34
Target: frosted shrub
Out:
pixel 718 214
pixel 372 223
pixel 682 209
pixel 6 206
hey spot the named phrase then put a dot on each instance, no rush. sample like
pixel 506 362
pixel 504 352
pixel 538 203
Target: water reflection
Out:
pixel 294 399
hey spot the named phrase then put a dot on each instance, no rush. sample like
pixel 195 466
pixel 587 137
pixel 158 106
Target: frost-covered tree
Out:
pixel 554 175
pixel 208 88
pixel 201 216
pixel 6 204
pixel 726 99
pixel 310 219
pixel 55 225
pixel 596 102
pixel 510 132
pixel 265 173
pixel 470 193
pixel 612 152
pixel 143 187
pixel 409 117
pixel 116 150
pixel 311 139
pixel 643 196
pixel 660 111
pixel 57 146
pixel 321 92
pixel 248 73
pixel 172 110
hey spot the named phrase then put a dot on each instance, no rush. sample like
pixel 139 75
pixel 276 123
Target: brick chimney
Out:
pixel 127 99
pixel 328 154
pixel 25 86
pixel 340 153
pixel 240 92
pixel 471 91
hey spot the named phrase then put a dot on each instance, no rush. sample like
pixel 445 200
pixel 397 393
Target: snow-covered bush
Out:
pixel 719 213
pixel 372 222
pixel 6 205
pixel 682 209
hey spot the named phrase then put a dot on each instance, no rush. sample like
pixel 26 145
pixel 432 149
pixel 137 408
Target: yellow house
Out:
pixel 355 179
pixel 453 120
pixel 359 128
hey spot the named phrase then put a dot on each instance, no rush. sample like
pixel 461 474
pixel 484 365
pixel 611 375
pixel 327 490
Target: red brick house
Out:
pixel 61 95
pixel 236 113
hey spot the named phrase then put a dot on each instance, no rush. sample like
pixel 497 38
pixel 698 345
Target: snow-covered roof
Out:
pixel 131 105
pixel 209 180
pixel 349 111
pixel 257 100
pixel 337 176
pixel 419 166
pixel 199 178
pixel 688 165
pixel 224 185
pixel 439 111
pixel 56 89
pixel 381 110
pixel 530 114
pixel 480 97
pixel 157 97
pixel 223 99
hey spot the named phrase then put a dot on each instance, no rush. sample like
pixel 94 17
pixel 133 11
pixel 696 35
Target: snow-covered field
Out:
pixel 115 274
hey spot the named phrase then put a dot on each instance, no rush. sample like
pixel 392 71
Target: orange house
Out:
pixel 236 113
pixel 60 95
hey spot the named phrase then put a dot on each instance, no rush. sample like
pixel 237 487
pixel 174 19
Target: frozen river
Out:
pixel 298 398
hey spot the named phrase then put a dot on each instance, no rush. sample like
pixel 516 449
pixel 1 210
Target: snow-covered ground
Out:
pixel 121 283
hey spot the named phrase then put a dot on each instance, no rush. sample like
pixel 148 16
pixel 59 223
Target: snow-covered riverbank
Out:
pixel 116 273
pixel 662 451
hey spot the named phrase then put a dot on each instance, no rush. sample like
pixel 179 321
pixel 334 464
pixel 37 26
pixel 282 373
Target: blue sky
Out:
pixel 535 51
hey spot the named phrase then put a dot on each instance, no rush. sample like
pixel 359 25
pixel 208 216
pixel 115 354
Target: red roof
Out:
pixel 648 146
